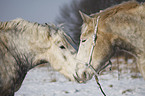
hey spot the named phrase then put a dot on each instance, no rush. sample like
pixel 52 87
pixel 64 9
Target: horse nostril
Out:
pixel 77 78
pixel 84 75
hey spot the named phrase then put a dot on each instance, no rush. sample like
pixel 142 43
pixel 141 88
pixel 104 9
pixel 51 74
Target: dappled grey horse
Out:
pixel 24 45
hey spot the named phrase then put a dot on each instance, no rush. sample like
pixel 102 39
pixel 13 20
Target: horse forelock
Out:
pixel 67 41
pixel 71 43
pixel 88 28
pixel 55 29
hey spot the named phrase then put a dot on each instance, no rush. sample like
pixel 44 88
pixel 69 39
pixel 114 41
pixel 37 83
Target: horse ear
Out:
pixel 86 18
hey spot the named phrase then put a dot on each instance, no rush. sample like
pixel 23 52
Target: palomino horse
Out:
pixel 24 45
pixel 120 26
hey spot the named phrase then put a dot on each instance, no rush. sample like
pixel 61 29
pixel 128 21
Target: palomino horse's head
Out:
pixel 61 54
pixel 101 52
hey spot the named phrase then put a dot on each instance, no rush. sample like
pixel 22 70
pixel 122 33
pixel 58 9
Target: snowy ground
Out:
pixel 40 82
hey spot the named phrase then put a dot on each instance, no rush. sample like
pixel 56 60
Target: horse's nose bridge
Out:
pixel 80 66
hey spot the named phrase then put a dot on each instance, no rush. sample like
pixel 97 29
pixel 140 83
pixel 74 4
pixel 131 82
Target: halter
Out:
pixel 90 57
pixel 92 49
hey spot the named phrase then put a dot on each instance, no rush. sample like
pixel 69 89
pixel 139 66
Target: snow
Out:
pixel 43 81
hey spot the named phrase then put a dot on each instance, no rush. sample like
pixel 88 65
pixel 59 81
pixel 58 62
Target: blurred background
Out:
pixel 40 11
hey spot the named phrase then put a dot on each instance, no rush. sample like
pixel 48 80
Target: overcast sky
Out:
pixel 41 11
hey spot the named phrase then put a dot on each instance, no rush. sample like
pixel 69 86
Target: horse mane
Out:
pixel 125 6
pixel 22 25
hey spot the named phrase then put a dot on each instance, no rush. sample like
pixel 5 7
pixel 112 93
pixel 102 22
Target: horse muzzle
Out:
pixel 82 78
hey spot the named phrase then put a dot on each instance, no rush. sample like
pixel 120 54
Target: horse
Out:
pixel 70 17
pixel 24 45
pixel 117 27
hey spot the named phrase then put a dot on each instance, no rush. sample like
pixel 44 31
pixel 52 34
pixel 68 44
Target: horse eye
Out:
pixel 83 40
pixel 62 47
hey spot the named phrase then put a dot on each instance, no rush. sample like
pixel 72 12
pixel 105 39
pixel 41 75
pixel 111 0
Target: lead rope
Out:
pixel 90 58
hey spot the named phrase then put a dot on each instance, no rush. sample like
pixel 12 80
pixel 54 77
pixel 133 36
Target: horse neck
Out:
pixel 38 43
pixel 128 26
pixel 25 39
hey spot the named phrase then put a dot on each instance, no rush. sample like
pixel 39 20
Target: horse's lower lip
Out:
pixel 78 79
pixel 82 79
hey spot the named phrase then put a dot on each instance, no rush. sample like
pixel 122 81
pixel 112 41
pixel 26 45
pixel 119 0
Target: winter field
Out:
pixel 43 81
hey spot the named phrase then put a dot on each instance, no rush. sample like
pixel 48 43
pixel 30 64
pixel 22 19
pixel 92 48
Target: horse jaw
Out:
pixel 62 61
